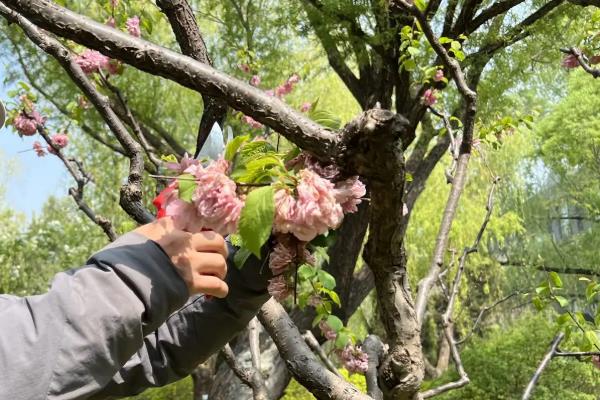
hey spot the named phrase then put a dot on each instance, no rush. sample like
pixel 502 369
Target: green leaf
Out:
pixel 562 301
pixel 592 339
pixel 333 296
pixel 555 279
pixel 335 323
pixel 234 145
pixel 240 257
pixel 186 184
pixel 168 158
pixel 420 4
pixel 409 65
pixel 326 279
pixel 537 302
pixel 342 340
pixel 316 320
pixel 256 219
pixel 413 51
pixel 325 118
pixel 306 272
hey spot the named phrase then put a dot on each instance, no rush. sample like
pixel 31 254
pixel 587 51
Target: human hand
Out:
pixel 199 258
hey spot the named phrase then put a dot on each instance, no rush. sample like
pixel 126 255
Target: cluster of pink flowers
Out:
pixel 91 61
pixel 26 122
pixel 133 26
pixel 215 204
pixel 570 61
pixel 111 22
pixel 60 140
pixel 355 360
pixel 429 97
pixel 305 107
pixel 314 211
pixel 439 75
pixel 255 80
pixel 287 87
pixel 282 257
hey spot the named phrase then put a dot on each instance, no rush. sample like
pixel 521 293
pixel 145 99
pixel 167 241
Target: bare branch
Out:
pixel 76 170
pixel 250 377
pixel 300 360
pixel 253 339
pixel 543 364
pixel 314 345
pixel 374 348
pixel 131 193
pixel 497 8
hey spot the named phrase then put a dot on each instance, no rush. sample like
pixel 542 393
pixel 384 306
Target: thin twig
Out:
pixel 314 345
pixel 543 364
pixel 250 377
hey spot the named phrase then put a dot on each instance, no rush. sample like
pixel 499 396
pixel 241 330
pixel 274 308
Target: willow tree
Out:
pixel 414 69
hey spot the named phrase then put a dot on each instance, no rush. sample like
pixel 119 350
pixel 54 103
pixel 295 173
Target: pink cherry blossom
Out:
pixel 570 61
pixel 91 61
pixel 255 80
pixel 293 79
pixel 278 288
pixel 439 75
pixel 349 193
pixel 354 359
pixel 248 120
pixel 39 149
pixel 270 92
pixel 244 67
pixel 284 89
pixel 60 140
pixel 133 26
pixel 110 22
pixel 26 123
pixel 429 97
pixel 114 3
pixel 314 212
pixel 305 160
pixel 180 166
pixel 305 107
pixel 215 204
pixel 326 330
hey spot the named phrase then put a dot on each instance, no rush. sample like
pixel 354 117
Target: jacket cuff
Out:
pixel 147 270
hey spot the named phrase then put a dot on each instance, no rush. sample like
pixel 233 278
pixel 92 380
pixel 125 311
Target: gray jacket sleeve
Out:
pixel 70 342
pixel 189 336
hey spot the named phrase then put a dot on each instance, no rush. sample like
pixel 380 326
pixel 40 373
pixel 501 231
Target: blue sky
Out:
pixel 34 179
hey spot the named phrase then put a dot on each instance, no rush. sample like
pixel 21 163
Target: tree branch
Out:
pixel 543 364
pixel 314 345
pixel 582 61
pixel 131 193
pixel 250 377
pixel 374 348
pixel 188 35
pixel 300 361
pixel 200 77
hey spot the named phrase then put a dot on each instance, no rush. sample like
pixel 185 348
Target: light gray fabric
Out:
pixel 100 331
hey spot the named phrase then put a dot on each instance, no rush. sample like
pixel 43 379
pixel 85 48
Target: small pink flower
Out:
pixel 244 67
pixel 354 359
pixel 305 107
pixel 295 78
pixel 39 149
pixel 255 80
pixel 570 61
pixel 305 160
pixel 111 22
pixel 91 61
pixel 326 330
pixel 439 75
pixel 133 26
pixel 278 288
pixel 26 123
pixel 114 3
pixel 248 120
pixel 429 97
pixel 182 165
pixel 349 193
pixel 270 92
pixel 60 140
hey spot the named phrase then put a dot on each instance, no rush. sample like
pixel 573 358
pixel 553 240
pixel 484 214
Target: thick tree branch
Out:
pixel 497 8
pixel 300 361
pixel 181 69
pixel 131 193
pixel 186 30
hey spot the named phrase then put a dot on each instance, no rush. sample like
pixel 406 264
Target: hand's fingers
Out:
pixel 210 285
pixel 209 241
pixel 210 264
